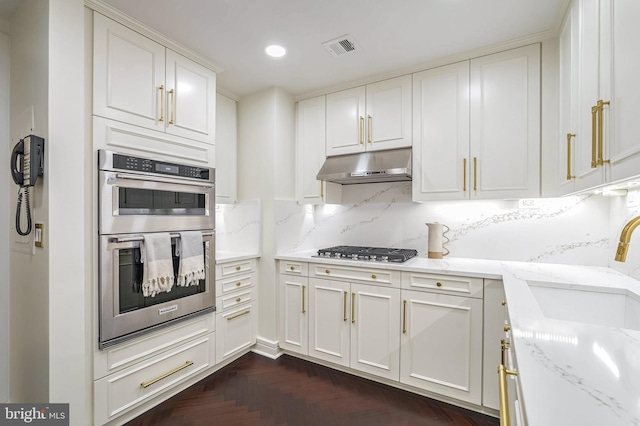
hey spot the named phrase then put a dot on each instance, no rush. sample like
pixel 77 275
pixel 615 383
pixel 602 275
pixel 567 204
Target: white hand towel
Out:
pixel 189 248
pixel 158 275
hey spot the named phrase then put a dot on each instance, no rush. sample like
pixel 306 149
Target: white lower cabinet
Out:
pixel 133 373
pixel 355 325
pixel 237 307
pixel 294 313
pixel 442 344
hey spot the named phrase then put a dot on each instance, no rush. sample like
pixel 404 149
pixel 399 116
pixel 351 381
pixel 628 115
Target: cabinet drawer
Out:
pixel 137 350
pixel 294 268
pixel 225 270
pixel 236 298
pixel 447 284
pixel 124 390
pixel 227 285
pixel 367 275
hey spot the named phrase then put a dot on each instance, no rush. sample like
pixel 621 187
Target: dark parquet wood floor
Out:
pixel 255 390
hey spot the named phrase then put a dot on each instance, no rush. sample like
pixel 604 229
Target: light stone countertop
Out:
pixel 230 256
pixel 570 373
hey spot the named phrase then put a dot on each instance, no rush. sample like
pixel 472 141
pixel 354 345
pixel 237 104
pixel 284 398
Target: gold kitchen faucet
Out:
pixel 625 237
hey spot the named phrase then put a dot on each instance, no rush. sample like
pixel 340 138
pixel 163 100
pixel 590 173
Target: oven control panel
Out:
pixel 145 165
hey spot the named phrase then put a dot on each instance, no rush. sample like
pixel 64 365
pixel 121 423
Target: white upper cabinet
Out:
pixel 505 124
pixel 476 128
pixel 441 133
pixel 310 150
pixel 625 88
pixel 140 82
pixel 226 150
pixel 372 117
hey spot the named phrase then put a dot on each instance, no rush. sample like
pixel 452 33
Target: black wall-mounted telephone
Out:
pixel 25 174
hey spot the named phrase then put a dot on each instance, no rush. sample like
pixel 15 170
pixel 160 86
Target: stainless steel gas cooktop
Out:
pixel 371 254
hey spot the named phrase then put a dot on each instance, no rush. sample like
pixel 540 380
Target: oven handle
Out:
pixel 141 238
pixel 160 180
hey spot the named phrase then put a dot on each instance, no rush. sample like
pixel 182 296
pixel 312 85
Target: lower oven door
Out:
pixel 124 311
pixel 130 202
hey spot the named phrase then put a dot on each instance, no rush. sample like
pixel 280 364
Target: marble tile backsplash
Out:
pixel 572 230
pixel 239 226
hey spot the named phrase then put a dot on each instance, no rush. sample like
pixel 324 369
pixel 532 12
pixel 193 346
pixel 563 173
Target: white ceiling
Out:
pixel 391 35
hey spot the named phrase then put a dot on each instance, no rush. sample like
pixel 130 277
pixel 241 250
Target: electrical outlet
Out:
pixel 528 203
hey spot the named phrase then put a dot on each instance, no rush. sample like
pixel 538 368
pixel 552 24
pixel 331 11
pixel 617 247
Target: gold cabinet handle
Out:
pixel 161 89
pixel 172 105
pixel 507 327
pixel 238 300
pixel 369 127
pixel 344 306
pixel 353 308
pixel 404 316
pixel 374 276
pixel 326 271
pixel 504 345
pixel 569 136
pixel 601 105
pixel 238 268
pixel 475 173
pixel 303 289
pixel 293 268
pixel 594 113
pixel 238 284
pixel 464 175
pixel 439 284
pixel 504 303
pixel 238 315
pixel 145 385
pixel 505 420
pixel 361 130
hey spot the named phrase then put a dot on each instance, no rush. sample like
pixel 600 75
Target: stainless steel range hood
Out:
pixel 368 167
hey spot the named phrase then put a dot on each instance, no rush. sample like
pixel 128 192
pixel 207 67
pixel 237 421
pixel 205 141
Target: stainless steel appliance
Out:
pixel 138 196
pixel 371 254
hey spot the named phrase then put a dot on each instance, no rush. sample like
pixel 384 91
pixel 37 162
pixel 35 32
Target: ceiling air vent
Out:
pixel 341 45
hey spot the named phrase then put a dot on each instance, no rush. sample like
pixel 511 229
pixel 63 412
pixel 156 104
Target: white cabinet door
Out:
pixel 388 121
pixel 236 330
pixel 329 320
pixel 375 329
pixel 191 90
pixel 568 46
pixel 442 344
pixel 505 124
pixel 346 122
pixel 129 75
pixel 310 150
pixel 625 93
pixel 495 315
pixel 293 313
pixel 441 133
pixel 226 150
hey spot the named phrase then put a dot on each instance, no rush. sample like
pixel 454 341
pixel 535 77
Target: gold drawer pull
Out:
pixel 304 287
pixel 161 89
pixel 326 271
pixel 238 299
pixel 238 284
pixel 373 276
pixel 165 375
pixel 504 302
pixel 439 284
pixel 344 306
pixel 293 268
pixel 353 308
pixel 404 317
pixel 238 268
pixel 238 315
pixel 504 399
pixel 507 327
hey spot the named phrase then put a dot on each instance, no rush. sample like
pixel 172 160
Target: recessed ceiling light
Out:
pixel 276 51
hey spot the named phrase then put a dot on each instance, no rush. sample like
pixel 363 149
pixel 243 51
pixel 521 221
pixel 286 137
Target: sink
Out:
pixel 609 307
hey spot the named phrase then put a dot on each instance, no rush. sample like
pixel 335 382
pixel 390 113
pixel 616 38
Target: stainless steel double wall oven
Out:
pixel 139 196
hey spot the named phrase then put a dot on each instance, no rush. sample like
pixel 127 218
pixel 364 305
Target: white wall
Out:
pixel 4 217
pixel 69 316
pixel 263 119
pixel 29 271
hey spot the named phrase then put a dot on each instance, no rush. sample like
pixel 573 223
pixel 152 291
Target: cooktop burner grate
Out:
pixel 372 254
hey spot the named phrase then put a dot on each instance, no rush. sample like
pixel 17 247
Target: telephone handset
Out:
pixel 25 174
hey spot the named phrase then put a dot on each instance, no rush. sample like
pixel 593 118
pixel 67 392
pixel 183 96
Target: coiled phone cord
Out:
pixel 19 207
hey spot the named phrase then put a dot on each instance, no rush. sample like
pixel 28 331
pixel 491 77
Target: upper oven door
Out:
pixel 131 202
